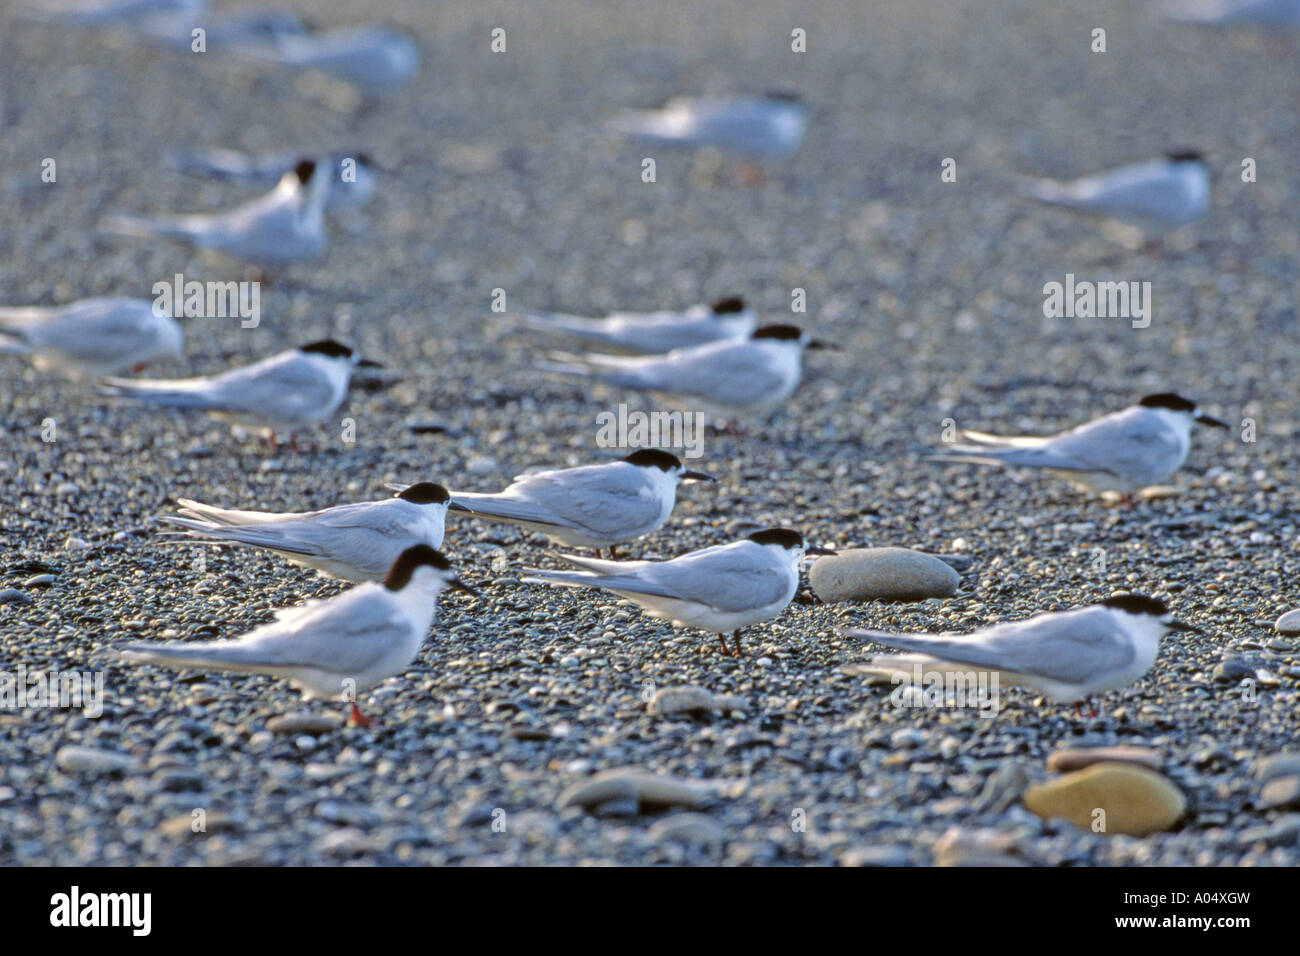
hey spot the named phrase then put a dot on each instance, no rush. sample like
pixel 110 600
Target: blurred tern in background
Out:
pixel 284 226
pixel 373 58
pixel 352 174
pixel 1274 14
pixel 282 393
pixel 104 13
pixel 756 127
pixel 655 332
pixel 91 338
pixel 1156 195
pixel 357 542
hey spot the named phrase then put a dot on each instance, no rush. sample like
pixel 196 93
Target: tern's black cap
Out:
pixel 1168 400
pixel 328 347
pixel 425 493
pixel 399 575
pixel 787 333
pixel 729 305
pixel 782 536
pixel 654 458
pixel 1137 604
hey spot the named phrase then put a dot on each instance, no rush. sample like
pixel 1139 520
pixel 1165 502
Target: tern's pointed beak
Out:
pixel 1208 420
pixel 460 585
pixel 819 344
pixel 696 476
pixel 1180 626
pixel 369 363
pixel 819 551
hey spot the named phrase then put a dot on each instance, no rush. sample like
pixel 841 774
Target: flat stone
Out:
pixel 874 856
pixel 302 724
pixel 1233 669
pixel 959 847
pixel 693 829
pixel 631 785
pixel 195 824
pixel 1282 832
pixel 687 699
pixel 1071 758
pixel 894 574
pixel 1113 797
pixel 40 581
pixel 14 596
pixel 1280 792
pixel 1279 765
pixel 88 760
pixel 1288 623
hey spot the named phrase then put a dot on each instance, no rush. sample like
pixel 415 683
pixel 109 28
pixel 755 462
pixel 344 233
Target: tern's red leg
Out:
pixel 735 643
pixel 137 368
pixel 723 641
pixel 358 719
pixel 293 442
pixel 270 437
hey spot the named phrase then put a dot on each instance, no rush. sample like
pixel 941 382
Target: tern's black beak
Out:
pixel 460 585
pixel 1208 420
pixel 819 344
pixel 1180 626
pixel 819 551
pixel 369 363
pixel 696 476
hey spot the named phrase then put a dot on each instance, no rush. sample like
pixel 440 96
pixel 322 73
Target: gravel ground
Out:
pixel 504 180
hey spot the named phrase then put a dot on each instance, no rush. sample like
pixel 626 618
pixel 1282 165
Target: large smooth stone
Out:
pixel 632 785
pixel 893 574
pixel 1136 801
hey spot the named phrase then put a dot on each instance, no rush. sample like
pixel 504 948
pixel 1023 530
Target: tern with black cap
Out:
pixel 654 332
pixel 1067 656
pixel 770 126
pixel 1163 193
pixel 335 648
pixel 355 542
pixel 1125 451
pixel 284 392
pixel 283 226
pixel 754 375
pixel 352 173
pixel 91 338
pixel 719 589
pixel 592 506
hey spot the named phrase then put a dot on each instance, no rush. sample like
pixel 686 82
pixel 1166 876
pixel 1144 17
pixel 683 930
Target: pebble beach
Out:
pixel 552 727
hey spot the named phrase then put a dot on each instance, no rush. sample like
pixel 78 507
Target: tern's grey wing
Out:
pixel 735 577
pixel 1074 648
pixel 1131 446
pixel 346 635
pixel 604 499
pixel 730 373
pixel 281 388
